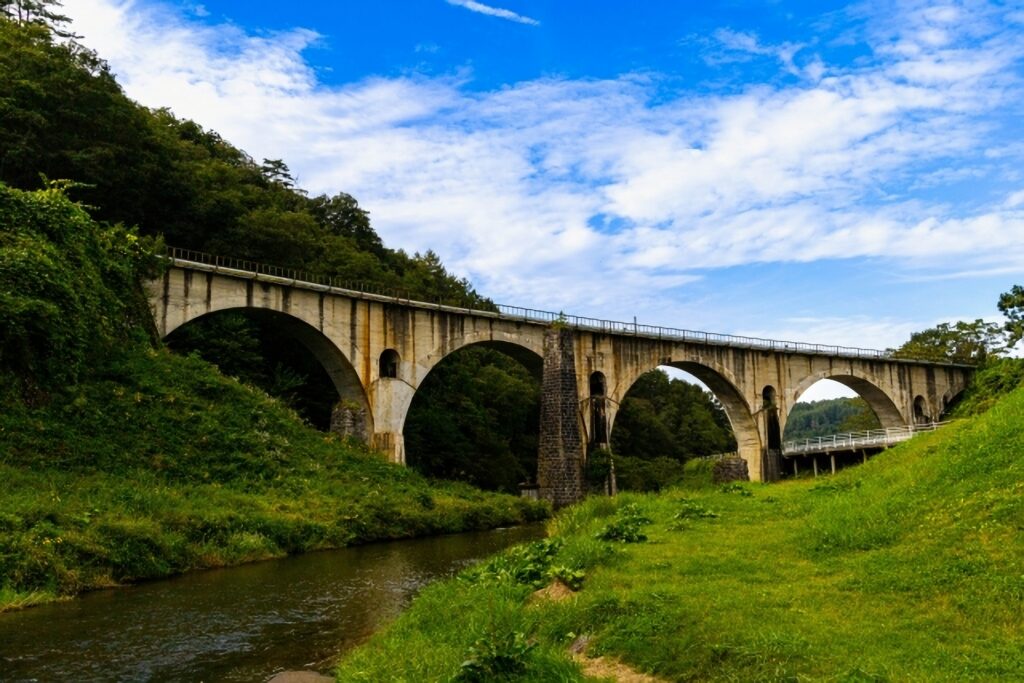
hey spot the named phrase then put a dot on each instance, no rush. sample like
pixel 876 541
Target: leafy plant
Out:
pixel 736 487
pixel 626 527
pixel 573 578
pixel 690 510
pixel 496 656
pixel 528 564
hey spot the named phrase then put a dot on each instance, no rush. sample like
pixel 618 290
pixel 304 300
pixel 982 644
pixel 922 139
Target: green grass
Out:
pixel 158 464
pixel 908 568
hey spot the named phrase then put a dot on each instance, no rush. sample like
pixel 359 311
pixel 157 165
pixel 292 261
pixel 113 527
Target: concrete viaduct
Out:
pixel 379 349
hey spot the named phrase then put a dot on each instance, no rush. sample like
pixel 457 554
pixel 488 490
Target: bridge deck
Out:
pixel 194 260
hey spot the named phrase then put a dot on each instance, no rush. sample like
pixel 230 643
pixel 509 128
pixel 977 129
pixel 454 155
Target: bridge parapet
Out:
pixel 296 278
pixel 873 438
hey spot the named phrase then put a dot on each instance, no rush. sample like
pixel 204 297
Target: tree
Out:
pixel 340 215
pixel 662 417
pixel 276 171
pixel 475 419
pixel 961 342
pixel 1011 304
pixel 37 12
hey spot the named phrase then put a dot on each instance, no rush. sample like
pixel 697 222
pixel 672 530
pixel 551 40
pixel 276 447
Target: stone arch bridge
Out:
pixel 379 349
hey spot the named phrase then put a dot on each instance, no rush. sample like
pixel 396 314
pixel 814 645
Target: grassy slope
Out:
pixel 910 567
pixel 159 464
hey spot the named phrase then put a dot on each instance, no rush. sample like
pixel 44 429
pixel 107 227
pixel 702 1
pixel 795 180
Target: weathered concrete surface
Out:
pixel 348 332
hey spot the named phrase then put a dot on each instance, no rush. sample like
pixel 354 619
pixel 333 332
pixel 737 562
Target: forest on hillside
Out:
pixel 829 416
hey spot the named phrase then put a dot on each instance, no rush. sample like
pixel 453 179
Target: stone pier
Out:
pixel 560 453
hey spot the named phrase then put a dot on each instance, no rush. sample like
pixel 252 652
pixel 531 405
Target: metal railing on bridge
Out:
pixel 851 441
pixel 350 287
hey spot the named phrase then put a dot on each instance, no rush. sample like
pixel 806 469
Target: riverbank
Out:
pixel 910 567
pixel 159 465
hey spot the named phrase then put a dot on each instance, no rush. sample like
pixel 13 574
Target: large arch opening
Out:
pixel 284 356
pixel 830 406
pixel 672 414
pixel 476 417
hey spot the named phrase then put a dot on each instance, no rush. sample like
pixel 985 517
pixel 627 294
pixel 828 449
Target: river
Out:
pixel 236 624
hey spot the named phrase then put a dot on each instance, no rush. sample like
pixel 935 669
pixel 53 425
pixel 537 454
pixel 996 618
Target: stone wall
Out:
pixel 349 419
pixel 560 452
pixel 730 468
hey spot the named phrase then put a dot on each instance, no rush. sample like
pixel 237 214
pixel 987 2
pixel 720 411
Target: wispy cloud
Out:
pixel 481 8
pixel 546 191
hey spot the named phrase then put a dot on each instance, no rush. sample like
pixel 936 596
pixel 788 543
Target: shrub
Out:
pixel 496 656
pixel 626 527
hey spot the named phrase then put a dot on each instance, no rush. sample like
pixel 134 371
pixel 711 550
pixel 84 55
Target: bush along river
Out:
pixel 238 624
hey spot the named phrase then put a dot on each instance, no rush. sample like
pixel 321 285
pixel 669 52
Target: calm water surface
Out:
pixel 239 624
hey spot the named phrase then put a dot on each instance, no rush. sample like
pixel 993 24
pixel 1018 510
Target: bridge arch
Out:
pixel 878 400
pixel 950 400
pixel 336 365
pixel 450 451
pixel 725 388
pixel 531 359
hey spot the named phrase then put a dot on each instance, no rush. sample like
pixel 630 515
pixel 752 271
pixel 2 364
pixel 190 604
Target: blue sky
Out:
pixel 829 172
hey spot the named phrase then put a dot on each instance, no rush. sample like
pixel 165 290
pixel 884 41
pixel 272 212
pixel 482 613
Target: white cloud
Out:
pixel 481 8
pixel 740 45
pixel 1016 199
pixel 516 187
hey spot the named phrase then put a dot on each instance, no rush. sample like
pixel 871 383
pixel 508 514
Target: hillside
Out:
pixel 908 568
pixel 123 461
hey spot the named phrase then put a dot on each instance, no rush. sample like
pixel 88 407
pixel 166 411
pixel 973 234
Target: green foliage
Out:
pixel 528 565
pixel 691 509
pixel 496 657
pixel 960 342
pixel 640 474
pixel 737 488
pixel 475 419
pixel 1011 304
pixel 698 473
pixel 663 418
pixel 39 13
pixel 992 381
pixel 260 351
pixel 829 416
pixel 627 527
pixel 573 578
pixel 597 469
pixel 68 288
pixel 454 623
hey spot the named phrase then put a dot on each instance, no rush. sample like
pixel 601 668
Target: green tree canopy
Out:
pixel 960 342
pixel 41 13
pixel 663 417
pixel 1011 304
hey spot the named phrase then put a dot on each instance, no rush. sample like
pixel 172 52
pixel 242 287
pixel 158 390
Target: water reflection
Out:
pixel 240 624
